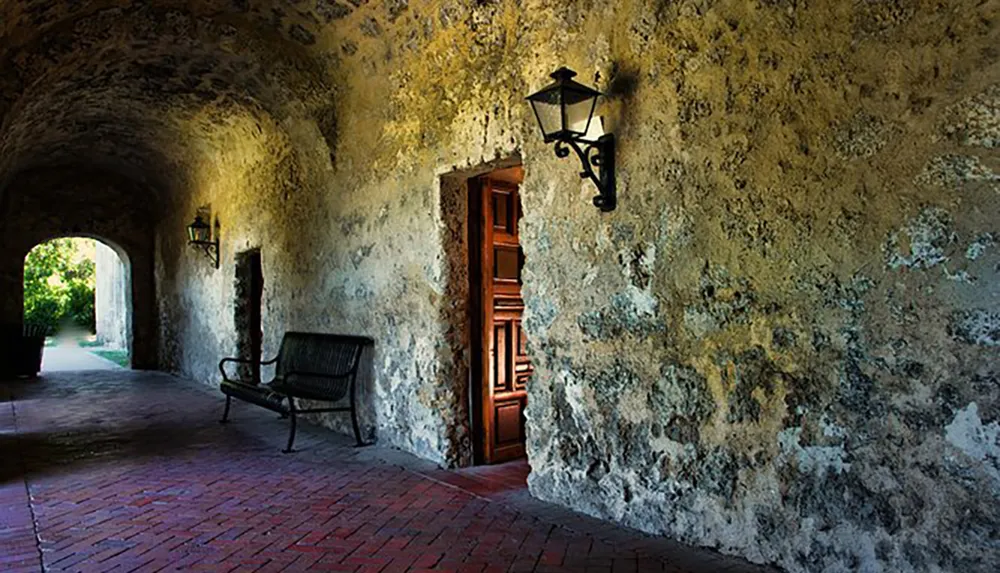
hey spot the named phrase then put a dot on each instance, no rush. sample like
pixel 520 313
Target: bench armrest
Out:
pixel 224 361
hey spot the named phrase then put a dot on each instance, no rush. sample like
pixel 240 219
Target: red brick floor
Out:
pixel 129 471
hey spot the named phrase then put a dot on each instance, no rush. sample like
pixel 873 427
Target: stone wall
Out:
pixel 782 344
pixel 111 298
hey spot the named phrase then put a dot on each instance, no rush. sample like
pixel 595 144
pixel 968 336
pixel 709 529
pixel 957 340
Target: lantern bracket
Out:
pixel 210 248
pixel 600 154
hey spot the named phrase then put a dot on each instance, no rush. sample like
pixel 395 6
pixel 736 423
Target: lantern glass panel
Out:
pixel 579 108
pixel 199 232
pixel 548 110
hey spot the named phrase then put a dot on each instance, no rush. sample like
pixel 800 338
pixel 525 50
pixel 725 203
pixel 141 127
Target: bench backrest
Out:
pixel 330 354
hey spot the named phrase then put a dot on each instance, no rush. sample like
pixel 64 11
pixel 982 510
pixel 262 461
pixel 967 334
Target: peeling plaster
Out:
pixel 978 441
pixel 927 239
pixel 816 460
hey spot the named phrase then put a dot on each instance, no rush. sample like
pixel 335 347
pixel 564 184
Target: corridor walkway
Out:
pixel 72 358
pixel 129 471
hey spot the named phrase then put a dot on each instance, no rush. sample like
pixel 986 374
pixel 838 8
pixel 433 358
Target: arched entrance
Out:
pixel 41 205
pixel 78 292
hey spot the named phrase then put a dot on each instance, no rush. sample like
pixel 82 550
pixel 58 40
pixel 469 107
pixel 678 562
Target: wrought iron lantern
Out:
pixel 565 111
pixel 200 235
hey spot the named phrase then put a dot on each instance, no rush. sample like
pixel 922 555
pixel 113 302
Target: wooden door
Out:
pixel 503 364
pixel 249 297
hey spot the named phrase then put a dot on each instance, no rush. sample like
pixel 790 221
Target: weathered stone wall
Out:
pixel 782 344
pixel 111 300
pixel 773 346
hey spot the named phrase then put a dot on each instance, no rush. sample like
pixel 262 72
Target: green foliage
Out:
pixel 59 285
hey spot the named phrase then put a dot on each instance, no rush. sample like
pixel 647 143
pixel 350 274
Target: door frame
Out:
pixel 482 320
pixel 249 302
pixel 481 433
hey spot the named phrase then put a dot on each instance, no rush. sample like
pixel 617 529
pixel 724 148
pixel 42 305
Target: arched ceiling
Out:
pixel 139 88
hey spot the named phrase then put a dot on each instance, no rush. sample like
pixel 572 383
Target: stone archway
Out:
pixel 98 205
pixel 112 299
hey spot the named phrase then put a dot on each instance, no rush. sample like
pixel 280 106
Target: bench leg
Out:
pixel 291 432
pixel 225 415
pixel 354 418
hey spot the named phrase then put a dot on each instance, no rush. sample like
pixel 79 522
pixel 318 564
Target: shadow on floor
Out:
pixel 14 389
pixel 47 453
pixel 84 424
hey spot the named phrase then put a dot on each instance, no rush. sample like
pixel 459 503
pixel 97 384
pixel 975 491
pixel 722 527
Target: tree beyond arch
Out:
pixel 59 282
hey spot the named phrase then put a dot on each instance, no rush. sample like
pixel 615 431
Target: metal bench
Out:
pixel 309 366
pixel 21 349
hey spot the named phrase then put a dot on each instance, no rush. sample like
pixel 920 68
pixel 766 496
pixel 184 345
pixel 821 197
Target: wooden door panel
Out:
pixel 509 427
pixel 522 363
pixel 507 264
pixel 501 374
pixel 504 205
pixel 506 368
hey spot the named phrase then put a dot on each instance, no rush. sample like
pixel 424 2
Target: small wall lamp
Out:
pixel 200 235
pixel 565 110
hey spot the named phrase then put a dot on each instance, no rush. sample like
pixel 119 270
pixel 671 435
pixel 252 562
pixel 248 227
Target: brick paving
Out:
pixel 118 471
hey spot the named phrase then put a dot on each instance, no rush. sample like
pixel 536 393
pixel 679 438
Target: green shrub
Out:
pixel 59 285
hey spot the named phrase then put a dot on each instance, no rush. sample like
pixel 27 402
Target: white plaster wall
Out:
pixel 111 298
